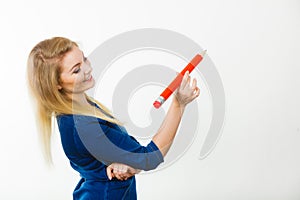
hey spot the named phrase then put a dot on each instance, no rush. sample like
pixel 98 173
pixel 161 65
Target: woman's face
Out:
pixel 76 71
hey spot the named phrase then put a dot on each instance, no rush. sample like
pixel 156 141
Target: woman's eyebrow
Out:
pixel 78 64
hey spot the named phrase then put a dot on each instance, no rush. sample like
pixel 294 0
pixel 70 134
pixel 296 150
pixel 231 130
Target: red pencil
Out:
pixel 176 82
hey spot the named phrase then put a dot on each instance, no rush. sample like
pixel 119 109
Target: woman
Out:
pixel 95 142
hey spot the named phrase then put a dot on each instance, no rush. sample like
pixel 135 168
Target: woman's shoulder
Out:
pixel 65 119
pixel 72 119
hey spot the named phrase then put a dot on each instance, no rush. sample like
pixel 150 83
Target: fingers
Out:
pixel 184 80
pixel 109 172
pixel 119 175
pixel 120 171
pixel 194 84
pixel 187 91
pixel 195 89
pixel 196 93
pixel 190 89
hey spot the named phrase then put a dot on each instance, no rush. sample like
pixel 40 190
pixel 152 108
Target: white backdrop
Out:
pixel 254 44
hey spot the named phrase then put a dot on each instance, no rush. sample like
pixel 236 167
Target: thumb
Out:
pixel 109 172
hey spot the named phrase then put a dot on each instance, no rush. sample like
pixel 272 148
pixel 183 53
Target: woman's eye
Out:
pixel 76 71
pixel 84 59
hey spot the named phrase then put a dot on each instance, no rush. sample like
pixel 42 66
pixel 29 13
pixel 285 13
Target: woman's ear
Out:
pixel 59 87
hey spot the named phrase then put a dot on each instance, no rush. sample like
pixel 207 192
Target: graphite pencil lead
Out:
pixel 203 53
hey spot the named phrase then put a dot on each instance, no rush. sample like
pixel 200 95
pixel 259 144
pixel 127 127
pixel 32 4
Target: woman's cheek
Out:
pixel 78 79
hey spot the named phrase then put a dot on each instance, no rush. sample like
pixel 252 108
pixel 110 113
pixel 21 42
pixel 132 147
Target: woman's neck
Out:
pixel 80 99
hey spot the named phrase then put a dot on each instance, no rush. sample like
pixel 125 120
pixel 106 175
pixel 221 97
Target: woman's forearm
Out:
pixel 167 131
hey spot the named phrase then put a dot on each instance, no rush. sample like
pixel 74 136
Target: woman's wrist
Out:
pixel 176 103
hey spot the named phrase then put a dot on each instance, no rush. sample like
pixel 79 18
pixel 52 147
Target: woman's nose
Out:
pixel 88 68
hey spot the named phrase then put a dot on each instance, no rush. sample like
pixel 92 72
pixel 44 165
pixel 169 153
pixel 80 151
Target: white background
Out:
pixel 254 44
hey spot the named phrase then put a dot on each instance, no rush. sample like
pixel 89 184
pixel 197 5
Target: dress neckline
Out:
pixel 96 105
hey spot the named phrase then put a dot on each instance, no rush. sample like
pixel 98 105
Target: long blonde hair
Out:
pixel 43 76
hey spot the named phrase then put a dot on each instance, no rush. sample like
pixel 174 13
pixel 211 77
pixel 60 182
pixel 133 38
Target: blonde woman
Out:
pixel 95 142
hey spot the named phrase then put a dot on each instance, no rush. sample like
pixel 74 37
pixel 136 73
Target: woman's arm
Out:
pixel 109 144
pixel 167 131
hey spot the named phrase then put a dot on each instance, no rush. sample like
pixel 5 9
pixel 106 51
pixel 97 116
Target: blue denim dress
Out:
pixel 91 144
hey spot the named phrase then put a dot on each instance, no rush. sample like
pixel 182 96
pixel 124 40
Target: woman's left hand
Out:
pixel 120 171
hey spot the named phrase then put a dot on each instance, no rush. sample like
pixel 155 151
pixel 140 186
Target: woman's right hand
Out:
pixel 186 92
pixel 120 171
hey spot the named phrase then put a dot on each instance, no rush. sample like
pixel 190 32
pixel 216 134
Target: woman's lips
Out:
pixel 89 79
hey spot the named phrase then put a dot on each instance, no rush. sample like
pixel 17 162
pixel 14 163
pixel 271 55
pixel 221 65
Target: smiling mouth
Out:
pixel 89 78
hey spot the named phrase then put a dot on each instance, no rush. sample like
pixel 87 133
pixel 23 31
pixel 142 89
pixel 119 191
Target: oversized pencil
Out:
pixel 176 82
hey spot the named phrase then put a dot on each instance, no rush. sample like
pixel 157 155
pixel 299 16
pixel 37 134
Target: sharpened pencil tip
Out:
pixel 203 53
